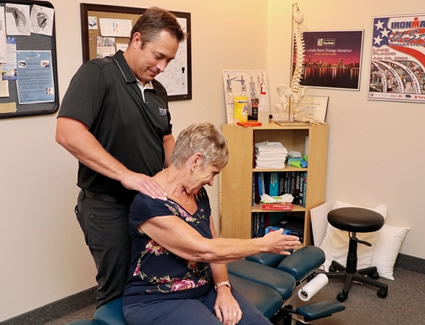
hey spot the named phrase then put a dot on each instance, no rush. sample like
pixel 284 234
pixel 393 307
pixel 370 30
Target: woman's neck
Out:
pixel 171 181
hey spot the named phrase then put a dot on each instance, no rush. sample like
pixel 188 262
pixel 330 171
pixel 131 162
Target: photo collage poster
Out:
pixel 397 70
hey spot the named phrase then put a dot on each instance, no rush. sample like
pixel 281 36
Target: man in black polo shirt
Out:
pixel 114 119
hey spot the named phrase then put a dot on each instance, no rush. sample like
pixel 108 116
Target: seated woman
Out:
pixel 178 273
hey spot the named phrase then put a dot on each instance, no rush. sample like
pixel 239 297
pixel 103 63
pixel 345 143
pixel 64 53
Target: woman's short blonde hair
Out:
pixel 205 139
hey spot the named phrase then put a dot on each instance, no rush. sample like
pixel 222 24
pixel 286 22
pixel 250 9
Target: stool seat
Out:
pixel 354 219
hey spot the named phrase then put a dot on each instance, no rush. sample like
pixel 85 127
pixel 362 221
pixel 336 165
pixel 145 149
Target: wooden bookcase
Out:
pixel 236 208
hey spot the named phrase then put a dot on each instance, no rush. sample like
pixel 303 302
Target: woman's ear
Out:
pixel 197 159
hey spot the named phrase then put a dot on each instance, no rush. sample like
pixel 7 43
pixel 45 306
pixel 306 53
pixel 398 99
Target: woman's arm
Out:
pixel 226 307
pixel 181 239
pixel 219 271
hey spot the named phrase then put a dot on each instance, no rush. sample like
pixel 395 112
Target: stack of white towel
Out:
pixel 270 155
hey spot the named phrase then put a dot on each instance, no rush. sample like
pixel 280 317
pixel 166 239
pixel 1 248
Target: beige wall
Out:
pixel 375 147
pixel 43 257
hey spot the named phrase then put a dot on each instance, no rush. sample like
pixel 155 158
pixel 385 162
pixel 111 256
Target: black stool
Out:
pixel 355 220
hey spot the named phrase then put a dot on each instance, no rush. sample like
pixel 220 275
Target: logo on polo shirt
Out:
pixel 162 111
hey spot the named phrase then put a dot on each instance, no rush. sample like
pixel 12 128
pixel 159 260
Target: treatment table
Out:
pixel 269 281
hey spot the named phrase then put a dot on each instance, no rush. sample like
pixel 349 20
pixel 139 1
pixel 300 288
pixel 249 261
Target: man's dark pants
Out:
pixel 105 228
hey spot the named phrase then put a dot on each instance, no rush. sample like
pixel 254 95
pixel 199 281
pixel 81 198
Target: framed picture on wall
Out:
pixel 106 29
pixel 332 59
pixel 397 71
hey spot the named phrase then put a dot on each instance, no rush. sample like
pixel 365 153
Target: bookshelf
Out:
pixel 238 212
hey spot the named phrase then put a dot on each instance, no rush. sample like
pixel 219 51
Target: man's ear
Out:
pixel 137 39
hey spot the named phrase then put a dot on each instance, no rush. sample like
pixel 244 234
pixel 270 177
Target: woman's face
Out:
pixel 203 176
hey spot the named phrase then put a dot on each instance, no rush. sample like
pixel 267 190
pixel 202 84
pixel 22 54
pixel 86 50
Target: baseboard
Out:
pixel 55 309
pixel 410 263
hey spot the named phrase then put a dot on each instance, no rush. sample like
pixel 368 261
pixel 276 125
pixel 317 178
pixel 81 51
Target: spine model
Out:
pixel 291 97
pixel 296 89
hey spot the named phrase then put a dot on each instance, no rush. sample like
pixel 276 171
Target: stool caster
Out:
pixel 382 293
pixel 342 296
pixel 374 275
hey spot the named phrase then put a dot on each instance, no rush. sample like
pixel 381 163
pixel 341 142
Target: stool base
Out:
pixel 364 276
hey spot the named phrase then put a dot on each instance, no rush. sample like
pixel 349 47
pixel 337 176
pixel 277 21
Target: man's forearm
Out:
pixel 75 137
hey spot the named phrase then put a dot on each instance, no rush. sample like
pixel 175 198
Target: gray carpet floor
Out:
pixel 405 303
pixel 85 313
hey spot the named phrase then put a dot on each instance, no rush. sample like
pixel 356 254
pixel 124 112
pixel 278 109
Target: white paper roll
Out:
pixel 313 287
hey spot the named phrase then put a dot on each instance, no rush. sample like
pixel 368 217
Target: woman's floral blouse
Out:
pixel 155 271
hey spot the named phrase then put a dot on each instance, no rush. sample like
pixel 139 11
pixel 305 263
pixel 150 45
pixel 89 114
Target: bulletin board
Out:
pixel 105 29
pixel 29 83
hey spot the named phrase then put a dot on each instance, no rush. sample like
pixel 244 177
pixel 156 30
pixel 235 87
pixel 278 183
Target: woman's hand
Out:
pixel 279 243
pixel 226 307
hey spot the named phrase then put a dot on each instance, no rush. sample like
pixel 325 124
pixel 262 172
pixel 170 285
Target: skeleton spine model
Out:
pixel 296 89
pixel 291 97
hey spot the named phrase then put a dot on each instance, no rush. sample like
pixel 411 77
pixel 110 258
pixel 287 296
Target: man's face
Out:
pixel 154 57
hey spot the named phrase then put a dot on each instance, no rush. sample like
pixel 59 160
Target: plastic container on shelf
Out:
pixel 263 107
pixel 240 109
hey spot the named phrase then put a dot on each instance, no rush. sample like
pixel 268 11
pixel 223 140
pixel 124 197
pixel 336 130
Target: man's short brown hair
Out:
pixel 155 20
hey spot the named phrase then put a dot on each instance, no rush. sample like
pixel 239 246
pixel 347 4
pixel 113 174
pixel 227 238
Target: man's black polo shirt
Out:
pixel 104 95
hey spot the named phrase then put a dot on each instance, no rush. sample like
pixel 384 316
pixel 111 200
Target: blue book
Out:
pixel 274 184
pixel 260 183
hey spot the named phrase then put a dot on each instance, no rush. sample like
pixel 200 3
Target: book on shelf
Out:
pixel 254 190
pixel 260 183
pixel 274 184
pixel 254 225
pixel 270 183
pixel 297 187
pixel 281 188
pixel 302 194
pixel 294 183
pixel 260 222
pixel 281 206
pixel 296 227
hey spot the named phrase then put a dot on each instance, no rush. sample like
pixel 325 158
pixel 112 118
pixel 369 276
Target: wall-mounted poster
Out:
pixel 397 71
pixel 28 66
pixel 244 83
pixel 332 59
